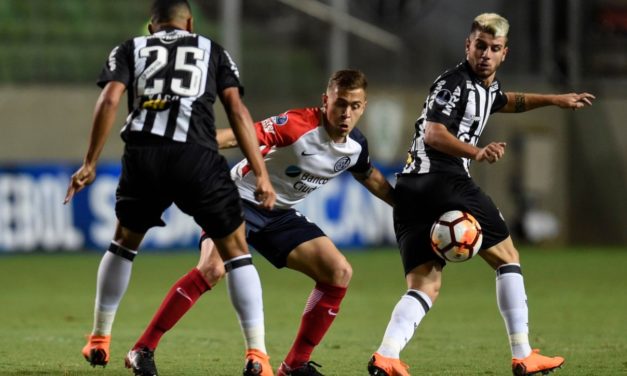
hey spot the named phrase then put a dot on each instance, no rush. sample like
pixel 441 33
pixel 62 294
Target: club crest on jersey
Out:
pixel 279 120
pixel 293 171
pixel 341 164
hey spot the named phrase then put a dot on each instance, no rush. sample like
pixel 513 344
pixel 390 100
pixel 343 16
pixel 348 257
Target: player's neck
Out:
pixel 334 135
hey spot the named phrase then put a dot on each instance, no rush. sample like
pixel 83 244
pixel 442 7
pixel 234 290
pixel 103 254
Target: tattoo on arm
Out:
pixel 519 102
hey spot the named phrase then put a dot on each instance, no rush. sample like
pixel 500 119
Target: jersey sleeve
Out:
pixel 284 129
pixel 444 105
pixel 363 161
pixel 118 66
pixel 499 101
pixel 227 73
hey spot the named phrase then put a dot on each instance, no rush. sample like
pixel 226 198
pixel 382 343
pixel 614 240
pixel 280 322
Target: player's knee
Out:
pixel 342 274
pixel 501 254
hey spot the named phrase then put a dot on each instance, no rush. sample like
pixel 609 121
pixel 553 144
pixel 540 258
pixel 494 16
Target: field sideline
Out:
pixel 577 300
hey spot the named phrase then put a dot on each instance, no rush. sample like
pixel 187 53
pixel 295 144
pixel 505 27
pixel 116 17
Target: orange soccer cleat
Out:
pixel 380 365
pixel 257 364
pixel 536 363
pixel 96 351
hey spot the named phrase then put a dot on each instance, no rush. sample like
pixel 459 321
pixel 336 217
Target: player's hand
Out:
pixel 264 194
pixel 491 153
pixel 84 176
pixel 574 100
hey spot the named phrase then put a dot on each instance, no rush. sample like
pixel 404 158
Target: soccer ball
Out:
pixel 456 236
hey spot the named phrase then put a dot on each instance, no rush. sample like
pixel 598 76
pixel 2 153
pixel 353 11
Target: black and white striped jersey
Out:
pixel 172 79
pixel 458 100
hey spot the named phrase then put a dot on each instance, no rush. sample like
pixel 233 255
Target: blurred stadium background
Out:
pixel 563 181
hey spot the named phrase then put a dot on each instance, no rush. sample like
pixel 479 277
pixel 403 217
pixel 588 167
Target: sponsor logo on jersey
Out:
pixel 443 98
pixel 309 183
pixel 111 62
pixel 305 154
pixel 158 102
pixel 267 125
pixel 293 171
pixel 233 65
pixel 341 164
pixel 279 120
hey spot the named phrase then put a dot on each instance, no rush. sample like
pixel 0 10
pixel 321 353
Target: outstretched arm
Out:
pixel 244 132
pixel 521 102
pixel 104 117
pixel 377 184
pixel 439 138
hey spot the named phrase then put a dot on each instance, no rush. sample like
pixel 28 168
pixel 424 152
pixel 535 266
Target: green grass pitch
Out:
pixel 577 301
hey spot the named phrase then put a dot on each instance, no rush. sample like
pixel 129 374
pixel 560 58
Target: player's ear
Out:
pixel 505 50
pixel 151 29
pixel 190 25
pixel 467 45
pixel 325 100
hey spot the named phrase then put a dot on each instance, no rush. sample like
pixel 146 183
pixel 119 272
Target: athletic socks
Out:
pixel 113 277
pixel 512 302
pixel 320 311
pixel 181 297
pixel 406 317
pixel 244 289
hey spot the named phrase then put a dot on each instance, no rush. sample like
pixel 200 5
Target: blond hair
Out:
pixel 491 23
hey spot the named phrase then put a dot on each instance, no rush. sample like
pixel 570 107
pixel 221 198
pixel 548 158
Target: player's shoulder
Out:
pixel 453 76
pixel 293 124
pixel 357 136
pixel 305 118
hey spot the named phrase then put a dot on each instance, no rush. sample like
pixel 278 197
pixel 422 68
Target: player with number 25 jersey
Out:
pixel 173 78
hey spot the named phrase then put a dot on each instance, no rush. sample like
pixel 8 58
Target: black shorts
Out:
pixel 421 198
pixel 157 174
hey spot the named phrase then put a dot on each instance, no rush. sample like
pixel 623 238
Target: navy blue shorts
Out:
pixel 275 233
pixel 157 174
pixel 421 198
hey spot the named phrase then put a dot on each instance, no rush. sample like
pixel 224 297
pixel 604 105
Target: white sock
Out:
pixel 406 316
pixel 114 274
pixel 244 289
pixel 512 302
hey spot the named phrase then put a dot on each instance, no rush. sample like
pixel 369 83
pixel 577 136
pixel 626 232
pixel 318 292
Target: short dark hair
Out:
pixel 163 11
pixel 349 79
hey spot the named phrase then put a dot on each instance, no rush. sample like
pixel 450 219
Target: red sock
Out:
pixel 181 297
pixel 322 307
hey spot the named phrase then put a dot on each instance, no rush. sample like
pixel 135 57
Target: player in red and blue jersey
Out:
pixel 303 150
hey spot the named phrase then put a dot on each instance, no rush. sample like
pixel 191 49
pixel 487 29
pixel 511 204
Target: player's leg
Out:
pixel 423 283
pixel 183 295
pixel 319 259
pixel 180 299
pixel 244 287
pixel 512 303
pixel 419 201
pixel 113 277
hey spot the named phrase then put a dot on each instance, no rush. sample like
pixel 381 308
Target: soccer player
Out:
pixel 171 155
pixel 436 179
pixel 303 149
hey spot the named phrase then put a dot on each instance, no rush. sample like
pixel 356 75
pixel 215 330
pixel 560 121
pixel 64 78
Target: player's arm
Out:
pixel 244 132
pixel 376 183
pixel 438 137
pixel 521 102
pixel 103 119
pixel 226 138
